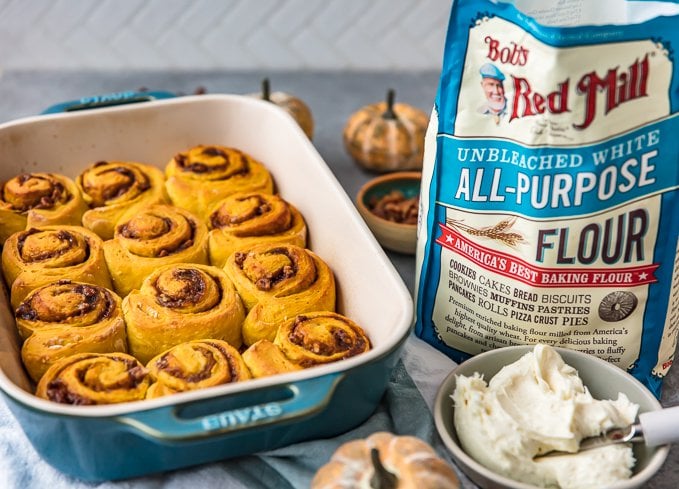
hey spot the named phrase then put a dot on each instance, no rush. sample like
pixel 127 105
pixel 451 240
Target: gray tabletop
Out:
pixel 332 98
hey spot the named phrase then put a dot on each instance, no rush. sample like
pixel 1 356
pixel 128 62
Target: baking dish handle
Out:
pixel 301 399
pixel 107 100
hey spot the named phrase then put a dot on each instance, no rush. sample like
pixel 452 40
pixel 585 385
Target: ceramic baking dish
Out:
pixel 132 439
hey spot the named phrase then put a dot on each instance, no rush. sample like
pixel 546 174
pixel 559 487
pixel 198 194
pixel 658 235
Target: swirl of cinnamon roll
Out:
pixel 40 256
pixel 245 219
pixel 203 175
pixel 264 358
pixel 321 337
pixel 277 282
pixel 94 378
pixel 114 189
pixel 195 365
pixel 64 318
pixel 179 303
pixel 156 236
pixel 38 199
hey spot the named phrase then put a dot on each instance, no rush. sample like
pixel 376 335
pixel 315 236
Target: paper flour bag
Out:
pixel 549 195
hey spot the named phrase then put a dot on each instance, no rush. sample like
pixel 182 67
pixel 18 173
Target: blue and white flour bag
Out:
pixel 549 200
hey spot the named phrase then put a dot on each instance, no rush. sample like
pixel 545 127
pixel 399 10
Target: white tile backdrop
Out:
pixel 223 34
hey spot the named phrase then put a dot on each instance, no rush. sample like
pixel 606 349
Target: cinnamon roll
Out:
pixel 203 175
pixel 38 199
pixel 94 378
pixel 114 189
pixel 245 219
pixel 195 365
pixel 263 358
pixel 179 303
pixel 65 318
pixel 156 236
pixel 277 282
pixel 40 256
pixel 321 337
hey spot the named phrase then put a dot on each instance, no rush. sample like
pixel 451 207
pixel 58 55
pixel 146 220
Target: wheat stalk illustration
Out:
pixel 499 232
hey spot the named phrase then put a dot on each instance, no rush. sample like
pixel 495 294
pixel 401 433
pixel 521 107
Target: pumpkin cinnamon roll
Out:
pixel 156 236
pixel 277 282
pixel 65 318
pixel 179 303
pixel 38 199
pixel 263 358
pixel 203 175
pixel 321 337
pixel 94 378
pixel 40 256
pixel 195 365
pixel 113 189
pixel 246 219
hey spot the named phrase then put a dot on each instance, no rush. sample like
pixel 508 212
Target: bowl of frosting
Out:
pixel 501 411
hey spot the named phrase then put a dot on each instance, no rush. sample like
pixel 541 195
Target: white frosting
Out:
pixel 536 405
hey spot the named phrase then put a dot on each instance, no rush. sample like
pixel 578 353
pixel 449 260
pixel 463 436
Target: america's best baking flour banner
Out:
pixel 550 183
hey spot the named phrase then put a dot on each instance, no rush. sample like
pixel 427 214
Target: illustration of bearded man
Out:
pixel 492 84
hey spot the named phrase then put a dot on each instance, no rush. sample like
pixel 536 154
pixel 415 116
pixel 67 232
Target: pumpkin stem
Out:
pixel 382 478
pixel 389 113
pixel 266 90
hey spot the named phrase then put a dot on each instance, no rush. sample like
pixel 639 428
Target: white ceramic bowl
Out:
pixel 604 381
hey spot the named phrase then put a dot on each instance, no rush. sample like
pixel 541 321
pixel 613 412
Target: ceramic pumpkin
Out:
pixel 385 461
pixel 387 136
pixel 292 105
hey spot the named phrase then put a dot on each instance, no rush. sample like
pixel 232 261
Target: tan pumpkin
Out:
pixel 292 105
pixel 385 461
pixel 386 136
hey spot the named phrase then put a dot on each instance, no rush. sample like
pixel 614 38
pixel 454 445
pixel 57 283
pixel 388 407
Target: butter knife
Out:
pixel 653 428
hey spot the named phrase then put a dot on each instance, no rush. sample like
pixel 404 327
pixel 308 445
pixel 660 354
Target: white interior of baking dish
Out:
pixel 369 289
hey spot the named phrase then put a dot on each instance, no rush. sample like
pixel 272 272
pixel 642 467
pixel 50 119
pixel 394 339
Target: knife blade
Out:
pixel 654 428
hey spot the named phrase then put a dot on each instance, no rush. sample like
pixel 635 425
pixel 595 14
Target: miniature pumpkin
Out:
pixel 386 136
pixel 292 105
pixel 385 461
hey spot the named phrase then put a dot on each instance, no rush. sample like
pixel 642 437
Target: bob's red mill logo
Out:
pixel 613 88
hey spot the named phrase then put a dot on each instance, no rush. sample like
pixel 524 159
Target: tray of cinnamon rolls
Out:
pixel 185 281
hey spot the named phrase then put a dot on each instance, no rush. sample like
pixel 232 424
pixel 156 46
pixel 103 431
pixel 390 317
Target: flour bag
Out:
pixel 550 183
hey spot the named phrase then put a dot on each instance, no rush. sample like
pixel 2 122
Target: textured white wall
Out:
pixel 223 34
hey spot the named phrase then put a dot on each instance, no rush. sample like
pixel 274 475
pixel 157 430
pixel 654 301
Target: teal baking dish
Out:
pixel 97 443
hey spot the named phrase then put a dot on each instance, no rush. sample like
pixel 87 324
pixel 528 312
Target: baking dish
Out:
pixel 120 441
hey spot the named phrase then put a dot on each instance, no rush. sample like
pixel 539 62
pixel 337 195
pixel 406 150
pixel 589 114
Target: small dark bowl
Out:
pixel 391 235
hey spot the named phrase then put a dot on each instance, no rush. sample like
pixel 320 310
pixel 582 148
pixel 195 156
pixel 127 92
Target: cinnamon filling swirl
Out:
pixel 213 162
pixel 105 185
pixel 58 391
pixel 29 191
pixel 37 245
pixel 326 337
pixel 170 365
pixel 267 269
pixel 152 227
pixel 185 286
pixel 250 208
pixel 148 227
pixel 65 300
pixel 124 374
